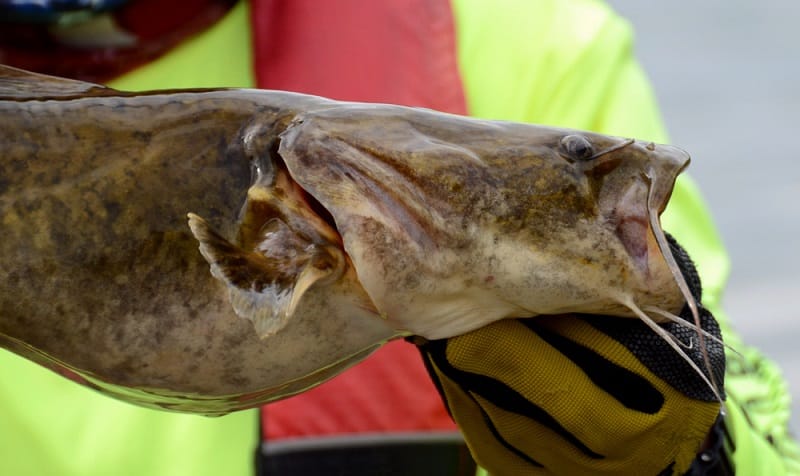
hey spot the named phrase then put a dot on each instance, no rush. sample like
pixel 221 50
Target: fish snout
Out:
pixel 665 163
pixel 633 181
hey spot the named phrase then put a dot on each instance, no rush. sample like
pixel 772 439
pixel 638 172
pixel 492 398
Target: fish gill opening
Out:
pixel 302 194
pixel 275 194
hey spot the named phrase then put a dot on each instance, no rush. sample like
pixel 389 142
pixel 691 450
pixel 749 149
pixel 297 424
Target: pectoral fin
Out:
pixel 266 285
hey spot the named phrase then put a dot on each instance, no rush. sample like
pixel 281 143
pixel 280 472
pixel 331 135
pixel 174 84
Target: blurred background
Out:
pixel 727 77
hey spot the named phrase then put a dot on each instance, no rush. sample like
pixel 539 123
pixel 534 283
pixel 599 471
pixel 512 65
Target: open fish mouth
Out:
pixel 632 230
pixel 636 215
pixel 637 205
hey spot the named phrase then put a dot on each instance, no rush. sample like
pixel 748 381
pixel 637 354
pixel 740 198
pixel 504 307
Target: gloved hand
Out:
pixel 577 395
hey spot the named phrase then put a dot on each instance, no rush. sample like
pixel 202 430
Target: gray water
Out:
pixel 727 76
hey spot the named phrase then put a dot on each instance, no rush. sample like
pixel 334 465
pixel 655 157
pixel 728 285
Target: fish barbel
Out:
pixel 211 250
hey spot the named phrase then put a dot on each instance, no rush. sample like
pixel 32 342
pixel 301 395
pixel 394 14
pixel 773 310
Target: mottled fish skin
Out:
pixel 100 273
pixel 433 224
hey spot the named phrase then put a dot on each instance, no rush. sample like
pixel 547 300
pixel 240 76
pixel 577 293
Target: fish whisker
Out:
pixel 680 281
pixel 611 149
pixel 682 322
pixel 710 380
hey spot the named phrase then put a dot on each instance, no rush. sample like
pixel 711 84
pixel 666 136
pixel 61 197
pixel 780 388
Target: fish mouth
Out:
pixel 632 225
pixel 632 231
pixel 636 214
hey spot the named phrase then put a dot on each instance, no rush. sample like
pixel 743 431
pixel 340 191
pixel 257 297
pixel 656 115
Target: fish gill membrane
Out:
pixel 207 251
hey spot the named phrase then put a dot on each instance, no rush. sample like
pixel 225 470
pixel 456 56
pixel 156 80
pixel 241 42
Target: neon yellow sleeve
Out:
pixel 571 64
pixel 53 426
pixel 50 426
pixel 219 57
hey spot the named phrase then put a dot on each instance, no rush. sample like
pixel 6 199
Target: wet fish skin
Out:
pixel 100 273
pixel 446 224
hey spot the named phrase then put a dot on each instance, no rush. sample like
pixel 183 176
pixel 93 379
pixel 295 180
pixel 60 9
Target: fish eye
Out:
pixel 577 147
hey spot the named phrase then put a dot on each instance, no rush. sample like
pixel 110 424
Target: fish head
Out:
pixel 452 222
pixel 587 237
pixel 628 181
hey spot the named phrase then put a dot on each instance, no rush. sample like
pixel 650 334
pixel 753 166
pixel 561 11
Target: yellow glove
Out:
pixel 579 395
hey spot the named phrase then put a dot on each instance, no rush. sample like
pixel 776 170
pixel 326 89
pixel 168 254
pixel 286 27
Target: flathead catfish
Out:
pixel 211 250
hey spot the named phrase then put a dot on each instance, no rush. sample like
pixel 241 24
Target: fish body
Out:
pixel 211 250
